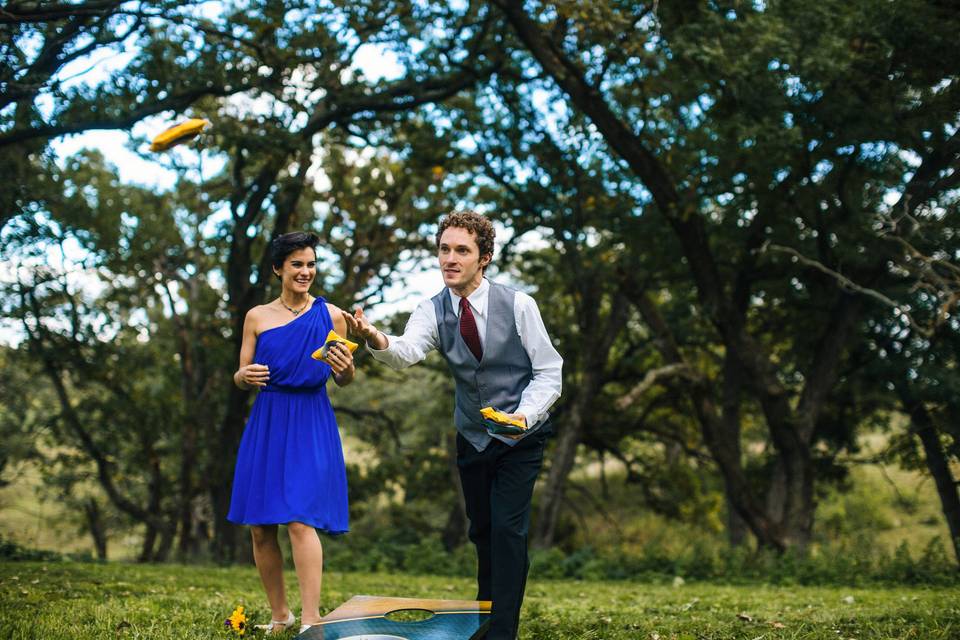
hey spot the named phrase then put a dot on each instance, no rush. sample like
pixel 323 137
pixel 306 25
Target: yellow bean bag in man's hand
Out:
pixel 500 423
pixel 332 338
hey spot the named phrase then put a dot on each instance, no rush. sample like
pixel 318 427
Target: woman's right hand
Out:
pixel 254 375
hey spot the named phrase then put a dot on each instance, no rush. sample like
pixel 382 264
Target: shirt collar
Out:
pixel 477 299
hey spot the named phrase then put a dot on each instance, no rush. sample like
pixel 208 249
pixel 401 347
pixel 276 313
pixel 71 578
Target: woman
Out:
pixel 290 467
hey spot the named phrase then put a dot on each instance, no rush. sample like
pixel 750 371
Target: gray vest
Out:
pixel 500 377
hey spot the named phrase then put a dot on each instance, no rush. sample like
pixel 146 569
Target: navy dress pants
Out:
pixel 497 490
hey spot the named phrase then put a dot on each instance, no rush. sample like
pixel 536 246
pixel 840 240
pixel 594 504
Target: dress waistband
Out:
pixel 292 390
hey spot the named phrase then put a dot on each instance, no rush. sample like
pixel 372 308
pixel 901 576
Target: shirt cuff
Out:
pixel 381 352
pixel 531 414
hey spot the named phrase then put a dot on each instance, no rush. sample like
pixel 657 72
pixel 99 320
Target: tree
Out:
pixel 294 64
pixel 746 124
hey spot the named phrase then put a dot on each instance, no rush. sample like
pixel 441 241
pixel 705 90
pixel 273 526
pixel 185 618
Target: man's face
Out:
pixel 460 259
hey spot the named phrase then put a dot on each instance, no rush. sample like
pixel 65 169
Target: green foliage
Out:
pixel 10 550
pixel 751 153
pixel 386 554
pixel 859 564
pixel 783 130
pixel 302 139
pixel 859 509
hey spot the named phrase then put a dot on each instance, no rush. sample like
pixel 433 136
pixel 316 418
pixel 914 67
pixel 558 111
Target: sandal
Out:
pixel 278 626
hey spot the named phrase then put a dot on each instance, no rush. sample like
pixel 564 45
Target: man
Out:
pixel 500 355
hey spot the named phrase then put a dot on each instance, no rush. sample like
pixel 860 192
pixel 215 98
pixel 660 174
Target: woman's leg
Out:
pixel 266 553
pixel 308 559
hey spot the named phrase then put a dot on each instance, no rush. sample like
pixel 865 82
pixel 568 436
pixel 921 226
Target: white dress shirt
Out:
pixel 422 336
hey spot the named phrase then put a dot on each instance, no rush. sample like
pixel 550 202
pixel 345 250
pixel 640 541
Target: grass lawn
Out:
pixel 125 601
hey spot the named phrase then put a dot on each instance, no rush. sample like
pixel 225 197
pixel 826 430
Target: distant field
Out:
pixel 887 504
pixel 34 520
pixel 123 601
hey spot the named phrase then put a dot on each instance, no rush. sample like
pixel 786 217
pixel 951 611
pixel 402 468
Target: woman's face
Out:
pixel 298 271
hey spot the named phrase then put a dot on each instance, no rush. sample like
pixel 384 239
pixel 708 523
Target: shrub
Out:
pixel 10 550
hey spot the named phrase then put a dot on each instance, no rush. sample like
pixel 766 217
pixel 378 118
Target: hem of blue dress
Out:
pixel 318 527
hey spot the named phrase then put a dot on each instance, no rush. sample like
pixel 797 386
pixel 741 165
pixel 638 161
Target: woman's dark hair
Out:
pixel 284 245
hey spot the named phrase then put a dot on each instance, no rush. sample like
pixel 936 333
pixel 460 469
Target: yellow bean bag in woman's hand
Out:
pixel 499 422
pixel 332 338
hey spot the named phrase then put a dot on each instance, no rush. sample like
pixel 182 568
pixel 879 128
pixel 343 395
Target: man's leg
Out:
pixel 511 495
pixel 475 477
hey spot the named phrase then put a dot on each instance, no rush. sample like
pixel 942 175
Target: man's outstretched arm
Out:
pixel 419 337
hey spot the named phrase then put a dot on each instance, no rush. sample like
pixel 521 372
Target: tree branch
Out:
pixel 654 376
pixel 847 284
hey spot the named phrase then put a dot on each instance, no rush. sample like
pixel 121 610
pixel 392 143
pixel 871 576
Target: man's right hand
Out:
pixel 359 325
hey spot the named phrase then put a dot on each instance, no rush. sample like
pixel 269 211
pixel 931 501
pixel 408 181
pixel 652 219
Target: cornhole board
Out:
pixel 365 618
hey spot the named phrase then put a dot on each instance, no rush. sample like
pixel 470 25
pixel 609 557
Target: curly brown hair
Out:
pixel 476 223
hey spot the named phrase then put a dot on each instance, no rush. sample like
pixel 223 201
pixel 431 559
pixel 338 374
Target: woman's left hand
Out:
pixel 340 360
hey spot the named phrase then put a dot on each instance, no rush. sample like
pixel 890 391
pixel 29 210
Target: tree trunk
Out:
pixel 797 523
pixel 187 544
pixel 789 496
pixel 455 531
pixel 225 533
pixel 162 552
pixel 937 463
pixel 152 552
pixel 564 455
pixel 720 427
pixel 146 547
pixel 95 525
pixel 737 529
pixel 776 496
pixel 243 296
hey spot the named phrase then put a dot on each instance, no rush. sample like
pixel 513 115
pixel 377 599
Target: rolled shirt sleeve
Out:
pixel 419 338
pixel 545 386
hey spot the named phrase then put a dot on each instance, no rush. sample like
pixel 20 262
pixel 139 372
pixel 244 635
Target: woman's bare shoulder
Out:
pixel 336 314
pixel 257 314
pixel 333 309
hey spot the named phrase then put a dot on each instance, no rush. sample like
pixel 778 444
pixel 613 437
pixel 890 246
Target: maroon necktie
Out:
pixel 468 329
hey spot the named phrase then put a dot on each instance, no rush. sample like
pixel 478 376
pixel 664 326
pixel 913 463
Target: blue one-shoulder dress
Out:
pixel 290 465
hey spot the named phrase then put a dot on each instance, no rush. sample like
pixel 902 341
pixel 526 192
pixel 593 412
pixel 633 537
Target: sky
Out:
pixel 127 151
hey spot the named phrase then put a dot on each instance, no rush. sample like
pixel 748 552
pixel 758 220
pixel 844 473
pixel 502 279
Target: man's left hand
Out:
pixel 517 416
